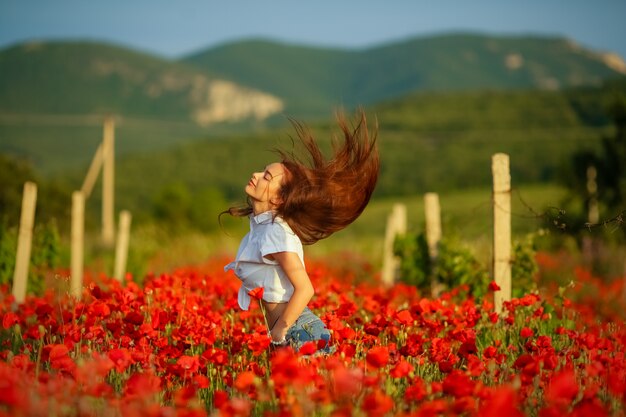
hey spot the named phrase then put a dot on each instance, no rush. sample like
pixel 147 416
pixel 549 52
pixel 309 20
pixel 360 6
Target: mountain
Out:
pixel 313 79
pixel 257 79
pixel 77 78
pixel 54 95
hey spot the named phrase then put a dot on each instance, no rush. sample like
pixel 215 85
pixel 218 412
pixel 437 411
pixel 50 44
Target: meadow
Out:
pixel 171 340
pixel 178 346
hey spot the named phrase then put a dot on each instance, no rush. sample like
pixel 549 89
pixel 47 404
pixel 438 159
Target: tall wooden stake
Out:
pixel 396 225
pixel 593 213
pixel 77 245
pixel 593 217
pixel 108 183
pixel 92 173
pixel 24 241
pixel 121 249
pixel 432 212
pixel 501 228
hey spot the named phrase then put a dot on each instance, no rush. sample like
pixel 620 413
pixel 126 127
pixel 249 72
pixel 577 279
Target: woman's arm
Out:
pixel 302 293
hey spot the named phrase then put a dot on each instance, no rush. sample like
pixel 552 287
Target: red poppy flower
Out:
pixel 9 320
pixel 347 350
pixel 216 356
pixel 490 352
pixel 526 332
pixel 220 398
pixel 121 359
pixel 134 317
pixel 563 387
pixel 188 364
pixel 201 381
pixel 256 293
pixel 404 317
pixel 493 317
pixel 402 369
pixel 501 402
pixel 378 356
pixel 244 381
pixel 458 384
pixel 416 391
pixel 308 348
pixel 347 382
pixel 347 333
pixel 258 343
pixel 142 384
pixel 377 403
pixel 493 286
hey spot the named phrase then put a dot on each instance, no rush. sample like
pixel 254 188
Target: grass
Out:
pixel 466 215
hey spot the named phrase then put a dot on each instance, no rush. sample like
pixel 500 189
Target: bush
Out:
pixel 456 265
pixel 44 259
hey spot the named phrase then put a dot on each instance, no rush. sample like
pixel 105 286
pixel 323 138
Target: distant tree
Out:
pixel 13 174
pixel 609 162
pixel 205 208
pixel 177 207
pixel 53 199
pixel 172 205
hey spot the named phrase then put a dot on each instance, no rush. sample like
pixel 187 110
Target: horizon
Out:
pixel 175 30
pixel 299 43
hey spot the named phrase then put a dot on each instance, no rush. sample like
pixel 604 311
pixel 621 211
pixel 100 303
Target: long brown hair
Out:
pixel 321 196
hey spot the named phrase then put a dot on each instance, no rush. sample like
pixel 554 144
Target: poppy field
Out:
pixel 178 345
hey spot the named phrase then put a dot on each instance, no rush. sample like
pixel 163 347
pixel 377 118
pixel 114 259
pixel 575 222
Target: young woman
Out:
pixel 294 202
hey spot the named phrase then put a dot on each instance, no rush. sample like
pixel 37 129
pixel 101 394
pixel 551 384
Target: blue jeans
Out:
pixel 308 327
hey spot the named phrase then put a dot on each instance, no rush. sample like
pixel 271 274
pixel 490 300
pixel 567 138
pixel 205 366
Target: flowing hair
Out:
pixel 321 196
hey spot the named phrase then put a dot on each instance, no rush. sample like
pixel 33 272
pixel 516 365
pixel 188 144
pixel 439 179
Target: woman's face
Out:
pixel 264 187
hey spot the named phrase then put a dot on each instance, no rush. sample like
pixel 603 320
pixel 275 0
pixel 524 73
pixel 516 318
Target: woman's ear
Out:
pixel 276 201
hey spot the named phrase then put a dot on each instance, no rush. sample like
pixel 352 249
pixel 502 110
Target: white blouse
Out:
pixel 267 235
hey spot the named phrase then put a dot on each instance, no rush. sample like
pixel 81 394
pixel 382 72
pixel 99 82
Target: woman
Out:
pixel 295 202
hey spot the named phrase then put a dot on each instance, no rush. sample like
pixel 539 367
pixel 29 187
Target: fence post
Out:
pixel 432 212
pixel 593 217
pixel 77 248
pixel 121 249
pixel 501 228
pixel 396 225
pixel 92 173
pixel 108 182
pixel 24 241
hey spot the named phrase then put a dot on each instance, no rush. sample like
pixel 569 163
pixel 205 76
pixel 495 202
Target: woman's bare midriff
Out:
pixel 273 311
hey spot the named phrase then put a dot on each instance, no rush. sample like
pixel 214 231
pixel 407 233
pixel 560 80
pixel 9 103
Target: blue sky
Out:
pixel 172 28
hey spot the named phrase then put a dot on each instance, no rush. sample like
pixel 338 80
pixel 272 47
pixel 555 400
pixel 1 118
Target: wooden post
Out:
pixel 77 236
pixel 593 217
pixel 108 183
pixel 433 237
pixel 24 241
pixel 121 249
pixel 593 213
pixel 501 228
pixel 396 225
pixel 92 173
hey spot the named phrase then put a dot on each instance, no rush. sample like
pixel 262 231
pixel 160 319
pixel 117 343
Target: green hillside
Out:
pixel 428 142
pixel 310 79
pixel 54 97
pixel 92 78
